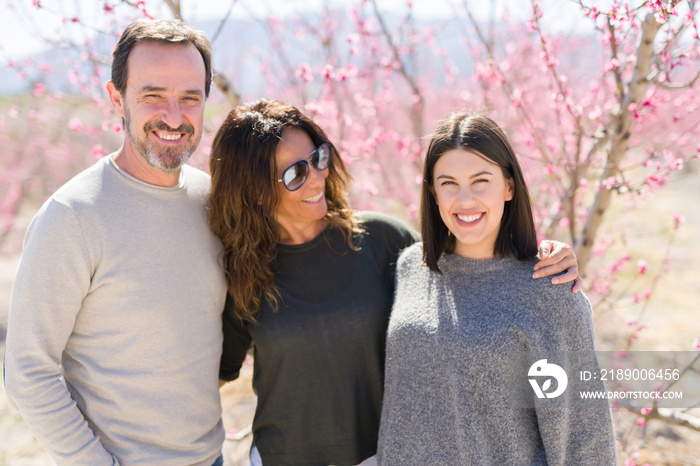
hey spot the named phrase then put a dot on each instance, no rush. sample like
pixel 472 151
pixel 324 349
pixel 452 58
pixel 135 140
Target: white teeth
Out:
pixel 470 218
pixel 314 199
pixel 169 137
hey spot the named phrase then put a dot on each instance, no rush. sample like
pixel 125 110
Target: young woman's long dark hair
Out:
pixel 479 135
pixel 245 195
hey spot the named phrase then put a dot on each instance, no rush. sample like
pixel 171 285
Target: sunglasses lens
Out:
pixel 322 156
pixel 294 176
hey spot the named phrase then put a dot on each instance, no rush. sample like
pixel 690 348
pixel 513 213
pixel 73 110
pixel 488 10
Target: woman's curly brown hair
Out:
pixel 245 195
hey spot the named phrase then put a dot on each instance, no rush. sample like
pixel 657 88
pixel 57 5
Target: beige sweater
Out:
pixel 114 333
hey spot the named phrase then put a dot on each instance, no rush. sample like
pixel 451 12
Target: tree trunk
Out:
pixel 620 135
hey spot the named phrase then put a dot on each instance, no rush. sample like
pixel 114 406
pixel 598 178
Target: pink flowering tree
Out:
pixel 599 119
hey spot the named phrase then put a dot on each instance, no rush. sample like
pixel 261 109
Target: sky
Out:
pixel 24 28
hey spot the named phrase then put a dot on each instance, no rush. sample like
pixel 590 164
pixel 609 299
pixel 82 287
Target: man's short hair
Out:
pixel 169 31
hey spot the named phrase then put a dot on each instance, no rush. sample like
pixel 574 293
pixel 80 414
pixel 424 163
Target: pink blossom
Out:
pixel 39 90
pixel 595 113
pixel 642 266
pixel 304 71
pixel 327 72
pixel 608 183
pixel 75 124
pixel 645 411
pixel 531 25
pixel 370 188
pixel 599 249
pixel 611 65
pixel 678 220
pixel 98 151
pixel 653 181
pixel 411 211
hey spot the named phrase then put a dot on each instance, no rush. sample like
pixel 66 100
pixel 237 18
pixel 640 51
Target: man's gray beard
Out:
pixel 165 164
pixel 169 164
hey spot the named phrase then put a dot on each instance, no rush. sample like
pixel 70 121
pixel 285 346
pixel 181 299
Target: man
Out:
pixel 114 333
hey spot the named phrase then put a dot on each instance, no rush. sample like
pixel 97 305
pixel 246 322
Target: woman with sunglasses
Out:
pixel 461 347
pixel 310 286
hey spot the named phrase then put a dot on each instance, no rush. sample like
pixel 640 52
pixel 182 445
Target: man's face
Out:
pixel 163 104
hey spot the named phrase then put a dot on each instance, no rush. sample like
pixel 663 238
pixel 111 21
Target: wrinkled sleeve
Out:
pixel 237 341
pixel 573 431
pixel 52 280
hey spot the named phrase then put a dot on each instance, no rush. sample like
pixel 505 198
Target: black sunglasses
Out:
pixel 295 176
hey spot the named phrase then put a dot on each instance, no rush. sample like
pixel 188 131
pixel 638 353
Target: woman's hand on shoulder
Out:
pixel 556 257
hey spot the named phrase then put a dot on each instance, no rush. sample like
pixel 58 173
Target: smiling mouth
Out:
pixel 313 199
pixel 168 136
pixel 166 133
pixel 470 218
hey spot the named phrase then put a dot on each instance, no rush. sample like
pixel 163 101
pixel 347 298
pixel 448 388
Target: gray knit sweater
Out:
pixel 451 342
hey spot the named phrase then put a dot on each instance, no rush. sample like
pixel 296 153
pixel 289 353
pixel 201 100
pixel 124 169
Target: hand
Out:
pixel 556 257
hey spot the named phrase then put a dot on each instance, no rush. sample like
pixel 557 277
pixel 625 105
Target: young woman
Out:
pixel 466 307
pixel 310 283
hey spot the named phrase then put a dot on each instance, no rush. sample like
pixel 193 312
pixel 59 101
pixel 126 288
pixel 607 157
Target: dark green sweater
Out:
pixel 319 360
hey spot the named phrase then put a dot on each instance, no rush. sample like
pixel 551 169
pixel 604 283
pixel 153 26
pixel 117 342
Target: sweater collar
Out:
pixel 454 263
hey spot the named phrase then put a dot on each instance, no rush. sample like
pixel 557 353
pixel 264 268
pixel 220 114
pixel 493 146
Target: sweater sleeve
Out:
pixel 52 280
pixel 237 340
pixel 573 431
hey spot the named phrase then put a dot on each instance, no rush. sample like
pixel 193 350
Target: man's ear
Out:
pixel 116 98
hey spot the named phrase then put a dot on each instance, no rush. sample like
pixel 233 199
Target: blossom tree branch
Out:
pixel 418 103
pixel 621 132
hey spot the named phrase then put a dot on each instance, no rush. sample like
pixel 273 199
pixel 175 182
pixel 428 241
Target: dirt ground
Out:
pixel 672 314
